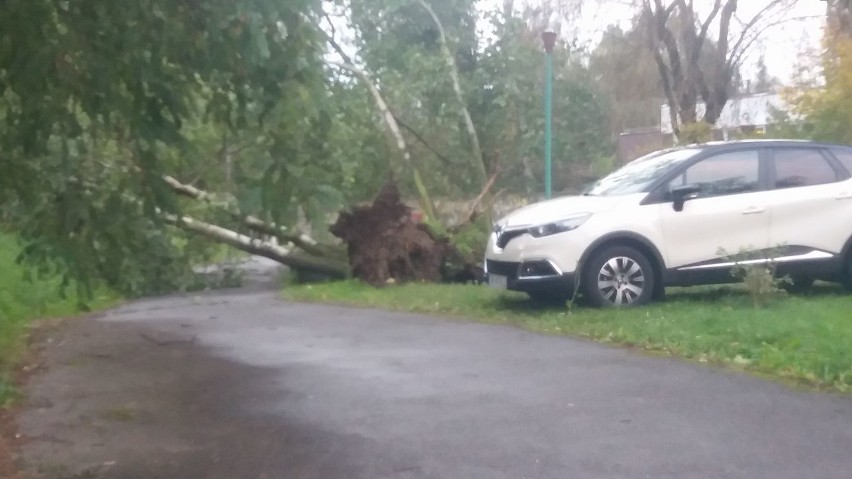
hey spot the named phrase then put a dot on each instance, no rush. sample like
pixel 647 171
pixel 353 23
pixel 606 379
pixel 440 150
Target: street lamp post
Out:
pixel 549 39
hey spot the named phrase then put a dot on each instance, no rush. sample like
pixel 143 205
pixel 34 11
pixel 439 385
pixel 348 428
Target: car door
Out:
pixel 809 205
pixel 727 215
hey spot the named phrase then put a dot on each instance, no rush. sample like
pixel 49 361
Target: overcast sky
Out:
pixel 782 46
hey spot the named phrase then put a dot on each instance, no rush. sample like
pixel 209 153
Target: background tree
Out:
pixel 821 108
pixel 624 68
pixel 509 106
pixel 100 100
pixel 839 15
pixel 679 38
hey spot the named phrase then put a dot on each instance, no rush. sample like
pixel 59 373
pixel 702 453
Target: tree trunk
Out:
pixel 253 223
pixel 476 149
pixel 324 266
pixel 318 259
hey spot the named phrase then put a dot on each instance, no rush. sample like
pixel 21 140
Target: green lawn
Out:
pixel 21 301
pixel 802 339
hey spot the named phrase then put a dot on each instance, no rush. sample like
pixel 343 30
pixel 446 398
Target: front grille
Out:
pixel 506 236
pixel 503 268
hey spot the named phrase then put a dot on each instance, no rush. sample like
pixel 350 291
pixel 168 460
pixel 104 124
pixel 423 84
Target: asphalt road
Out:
pixel 243 385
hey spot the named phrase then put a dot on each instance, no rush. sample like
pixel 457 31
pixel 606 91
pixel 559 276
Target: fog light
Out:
pixel 534 269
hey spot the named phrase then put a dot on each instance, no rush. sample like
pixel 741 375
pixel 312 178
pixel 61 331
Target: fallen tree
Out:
pixel 294 259
pixel 295 250
pixel 384 243
pixel 253 223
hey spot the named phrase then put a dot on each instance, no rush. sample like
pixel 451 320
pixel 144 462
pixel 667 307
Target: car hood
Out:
pixel 555 209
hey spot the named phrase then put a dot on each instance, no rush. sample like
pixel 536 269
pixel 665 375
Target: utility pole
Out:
pixel 549 39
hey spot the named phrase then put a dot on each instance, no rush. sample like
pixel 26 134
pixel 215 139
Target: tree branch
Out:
pixel 348 64
pixel 333 42
pixel 454 76
pixel 702 34
pixel 748 26
pixel 254 246
pixel 251 222
pixel 390 120
pixel 737 59
pixel 665 74
pixel 422 140
pixel 473 212
pixel 393 126
pixel 662 34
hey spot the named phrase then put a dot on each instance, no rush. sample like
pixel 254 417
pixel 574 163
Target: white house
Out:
pixel 753 111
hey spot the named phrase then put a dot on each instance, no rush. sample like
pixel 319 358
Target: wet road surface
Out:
pixel 244 385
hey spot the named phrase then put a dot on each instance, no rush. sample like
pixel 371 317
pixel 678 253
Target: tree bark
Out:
pixel 332 268
pixel 476 149
pixel 393 127
pixel 253 223
pixel 390 121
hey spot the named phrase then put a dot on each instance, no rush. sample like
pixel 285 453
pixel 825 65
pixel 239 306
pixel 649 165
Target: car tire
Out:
pixel 847 273
pixel 618 276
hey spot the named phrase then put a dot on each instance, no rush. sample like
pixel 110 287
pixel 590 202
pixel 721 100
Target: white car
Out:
pixel 668 219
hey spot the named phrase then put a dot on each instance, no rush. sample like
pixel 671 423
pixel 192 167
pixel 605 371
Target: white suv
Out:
pixel 668 218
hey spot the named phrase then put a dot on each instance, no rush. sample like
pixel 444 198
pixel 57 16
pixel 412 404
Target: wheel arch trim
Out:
pixel 626 238
pixel 846 256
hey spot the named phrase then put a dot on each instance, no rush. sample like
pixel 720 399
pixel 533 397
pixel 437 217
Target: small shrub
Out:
pixel 698 132
pixel 756 270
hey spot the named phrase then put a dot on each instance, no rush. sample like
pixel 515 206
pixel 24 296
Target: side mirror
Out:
pixel 682 194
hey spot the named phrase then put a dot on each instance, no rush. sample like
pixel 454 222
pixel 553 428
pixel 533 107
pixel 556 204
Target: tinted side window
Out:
pixel 845 158
pixel 801 167
pixel 725 174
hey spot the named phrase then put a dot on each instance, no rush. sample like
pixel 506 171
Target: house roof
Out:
pixel 753 110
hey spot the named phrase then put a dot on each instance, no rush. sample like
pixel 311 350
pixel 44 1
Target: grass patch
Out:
pixel 22 301
pixel 804 339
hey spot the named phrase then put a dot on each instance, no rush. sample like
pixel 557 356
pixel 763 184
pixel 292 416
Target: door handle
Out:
pixel 844 196
pixel 753 210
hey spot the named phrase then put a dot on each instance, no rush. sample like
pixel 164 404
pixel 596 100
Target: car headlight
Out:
pixel 559 226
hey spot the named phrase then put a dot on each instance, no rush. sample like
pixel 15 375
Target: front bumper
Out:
pixel 529 264
pixel 522 276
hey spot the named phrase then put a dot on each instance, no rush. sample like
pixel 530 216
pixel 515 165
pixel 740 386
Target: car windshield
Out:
pixel 639 175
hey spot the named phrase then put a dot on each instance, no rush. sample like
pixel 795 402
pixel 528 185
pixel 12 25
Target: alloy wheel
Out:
pixel 621 281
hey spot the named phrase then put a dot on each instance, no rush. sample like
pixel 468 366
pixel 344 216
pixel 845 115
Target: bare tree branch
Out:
pixel 756 18
pixel 702 34
pixel 333 41
pixel 474 210
pixel 422 140
pixel 734 61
